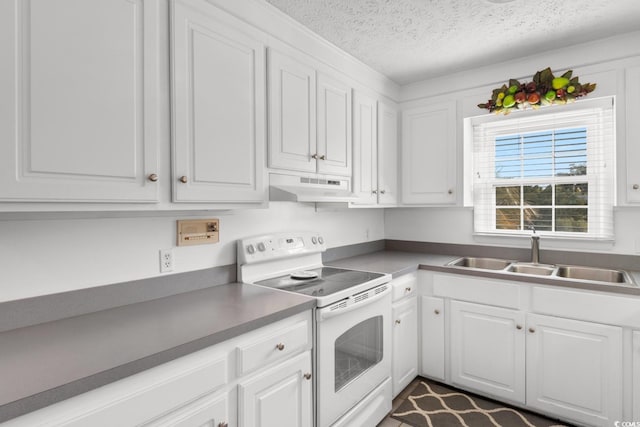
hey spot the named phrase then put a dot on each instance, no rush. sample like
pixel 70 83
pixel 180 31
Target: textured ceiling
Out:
pixel 412 40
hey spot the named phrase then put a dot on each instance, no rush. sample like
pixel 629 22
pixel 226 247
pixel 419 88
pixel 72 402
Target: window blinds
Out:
pixel 552 169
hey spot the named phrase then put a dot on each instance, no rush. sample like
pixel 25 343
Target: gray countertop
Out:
pixel 398 263
pixel 52 361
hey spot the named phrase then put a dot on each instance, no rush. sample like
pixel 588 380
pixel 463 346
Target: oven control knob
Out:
pixel 261 247
pixel 314 240
pixel 320 240
pixel 251 249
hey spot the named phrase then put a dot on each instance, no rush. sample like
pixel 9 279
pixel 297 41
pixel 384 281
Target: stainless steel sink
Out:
pixel 528 268
pixel 571 272
pixel 482 263
pixel 593 274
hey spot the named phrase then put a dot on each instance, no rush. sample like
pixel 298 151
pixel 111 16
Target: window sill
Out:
pixel 546 240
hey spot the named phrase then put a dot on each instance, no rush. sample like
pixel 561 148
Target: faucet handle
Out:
pixel 532 228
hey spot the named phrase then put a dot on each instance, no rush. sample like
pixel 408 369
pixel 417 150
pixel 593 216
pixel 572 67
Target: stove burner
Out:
pixel 304 275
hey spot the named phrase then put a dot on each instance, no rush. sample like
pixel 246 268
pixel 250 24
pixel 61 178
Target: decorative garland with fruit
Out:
pixel 545 89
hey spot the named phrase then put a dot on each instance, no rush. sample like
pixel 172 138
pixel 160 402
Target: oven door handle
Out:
pixel 350 304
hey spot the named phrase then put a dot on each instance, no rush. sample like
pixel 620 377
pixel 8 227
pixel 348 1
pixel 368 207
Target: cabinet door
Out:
pixel 365 168
pixel 404 365
pixel 217 410
pixel 78 112
pixel 636 376
pixel 633 134
pixel 334 126
pixel 574 369
pixel 429 154
pixel 292 114
pixel 218 107
pixel 432 328
pixel 280 396
pixel 387 154
pixel 488 350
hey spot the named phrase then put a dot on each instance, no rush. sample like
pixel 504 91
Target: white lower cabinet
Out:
pixel 405 343
pixel 278 397
pixel 488 350
pixel 432 352
pixel 215 410
pixel 574 369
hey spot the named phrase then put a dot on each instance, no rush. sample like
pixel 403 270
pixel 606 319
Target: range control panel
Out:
pixel 281 245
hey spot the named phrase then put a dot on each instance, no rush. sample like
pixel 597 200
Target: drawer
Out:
pixel 404 286
pixel 478 290
pixel 274 345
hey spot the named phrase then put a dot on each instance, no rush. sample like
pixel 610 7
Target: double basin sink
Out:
pixel 573 272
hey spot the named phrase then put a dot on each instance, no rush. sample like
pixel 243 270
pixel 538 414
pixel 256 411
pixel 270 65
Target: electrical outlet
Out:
pixel 166 260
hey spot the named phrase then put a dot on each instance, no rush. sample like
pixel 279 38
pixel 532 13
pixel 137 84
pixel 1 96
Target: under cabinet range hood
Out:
pixel 291 188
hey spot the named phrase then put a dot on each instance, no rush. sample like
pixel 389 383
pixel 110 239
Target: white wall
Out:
pixel 43 256
pixel 455 225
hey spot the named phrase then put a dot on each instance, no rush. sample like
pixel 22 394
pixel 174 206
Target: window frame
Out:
pixel 596 115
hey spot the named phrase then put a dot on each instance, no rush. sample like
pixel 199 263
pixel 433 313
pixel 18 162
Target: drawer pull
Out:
pixel 398 321
pixel 408 289
pixel 280 346
pixel 518 327
pixel 153 177
pixel 183 179
pixel 532 330
pixel 436 311
pixel 223 424
pixel 636 186
pixel 307 376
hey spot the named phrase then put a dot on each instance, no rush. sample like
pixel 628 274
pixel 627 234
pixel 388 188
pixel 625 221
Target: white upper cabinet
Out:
pixel 218 83
pixel 633 134
pixel 636 376
pixel 78 113
pixel 365 169
pixel 387 153
pixel 292 114
pixel 429 154
pixel 375 147
pixel 334 126
pixel 309 118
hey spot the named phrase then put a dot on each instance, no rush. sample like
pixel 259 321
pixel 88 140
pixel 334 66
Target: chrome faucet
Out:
pixel 535 246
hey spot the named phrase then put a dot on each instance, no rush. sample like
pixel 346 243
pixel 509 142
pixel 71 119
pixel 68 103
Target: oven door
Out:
pixel 353 351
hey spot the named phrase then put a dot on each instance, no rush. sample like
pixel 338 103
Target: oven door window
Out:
pixel 357 350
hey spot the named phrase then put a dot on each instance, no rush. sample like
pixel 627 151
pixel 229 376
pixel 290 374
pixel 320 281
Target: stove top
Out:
pixel 329 280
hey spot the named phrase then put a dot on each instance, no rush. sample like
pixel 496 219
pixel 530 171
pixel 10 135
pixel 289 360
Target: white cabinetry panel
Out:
pixel 574 369
pixel 387 154
pixel 278 397
pixel 219 107
pixel 488 349
pixel 79 105
pixel 334 126
pixel 433 337
pixel 292 114
pixel 405 343
pixel 365 169
pixel 429 154
pixel 636 376
pixel 633 134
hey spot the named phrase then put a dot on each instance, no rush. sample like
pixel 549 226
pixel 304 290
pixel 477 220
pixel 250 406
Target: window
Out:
pixel 551 169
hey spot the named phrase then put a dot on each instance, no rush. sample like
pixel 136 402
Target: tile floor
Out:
pixel 390 422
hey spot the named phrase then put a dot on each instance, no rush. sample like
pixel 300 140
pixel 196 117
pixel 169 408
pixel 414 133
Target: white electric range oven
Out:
pixel 352 330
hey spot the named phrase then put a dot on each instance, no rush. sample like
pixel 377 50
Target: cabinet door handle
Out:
pixel 518 327
pixel 408 289
pixel 323 157
pixel 307 376
pixel 636 186
pixel 280 346
pixel 382 191
pixel 436 311
pixel 223 424
pixel 532 330
pixel 450 191
pixel 398 321
pixel 153 177
pixel 314 156
pixel 374 192
pixel 184 179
